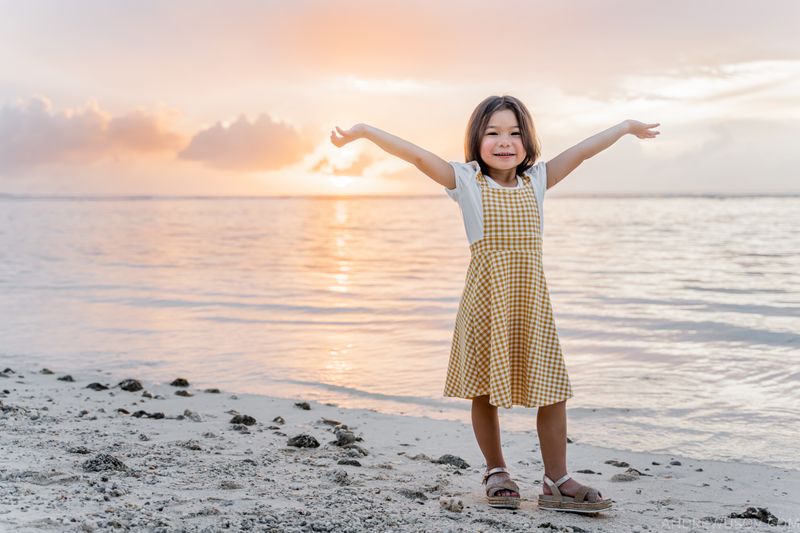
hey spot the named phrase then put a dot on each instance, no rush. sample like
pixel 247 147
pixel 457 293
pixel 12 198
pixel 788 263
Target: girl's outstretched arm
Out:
pixel 560 166
pixel 429 163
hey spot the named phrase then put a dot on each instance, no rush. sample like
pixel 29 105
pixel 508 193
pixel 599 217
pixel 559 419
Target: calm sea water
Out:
pixel 679 316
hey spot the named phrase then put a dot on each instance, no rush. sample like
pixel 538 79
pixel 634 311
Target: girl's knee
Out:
pixel 557 405
pixel 481 400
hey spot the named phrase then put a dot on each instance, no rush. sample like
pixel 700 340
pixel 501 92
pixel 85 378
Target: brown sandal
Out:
pixel 575 504
pixel 493 487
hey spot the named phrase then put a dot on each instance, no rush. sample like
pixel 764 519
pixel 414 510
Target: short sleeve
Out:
pixel 465 176
pixel 538 174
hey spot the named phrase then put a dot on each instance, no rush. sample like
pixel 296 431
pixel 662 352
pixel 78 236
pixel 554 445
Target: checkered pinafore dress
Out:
pixel 505 342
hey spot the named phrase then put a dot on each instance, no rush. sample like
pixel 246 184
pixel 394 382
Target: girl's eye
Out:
pixel 515 133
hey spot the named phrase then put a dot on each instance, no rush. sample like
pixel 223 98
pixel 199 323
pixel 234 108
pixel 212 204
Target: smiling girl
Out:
pixel 505 348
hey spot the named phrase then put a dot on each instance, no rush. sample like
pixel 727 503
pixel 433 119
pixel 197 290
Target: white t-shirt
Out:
pixel 468 194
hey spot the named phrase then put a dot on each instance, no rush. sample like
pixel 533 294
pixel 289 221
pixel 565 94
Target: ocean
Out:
pixel 679 316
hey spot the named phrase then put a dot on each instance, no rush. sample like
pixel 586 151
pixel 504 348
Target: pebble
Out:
pixel 179 382
pixel 303 405
pixel 303 441
pixel 630 474
pixel 247 420
pixel 448 459
pixel 103 462
pixel 130 385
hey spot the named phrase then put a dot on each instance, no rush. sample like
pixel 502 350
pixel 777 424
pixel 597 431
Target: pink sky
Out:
pixel 196 98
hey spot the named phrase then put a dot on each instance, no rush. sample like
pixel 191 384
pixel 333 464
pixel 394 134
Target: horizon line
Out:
pixel 144 197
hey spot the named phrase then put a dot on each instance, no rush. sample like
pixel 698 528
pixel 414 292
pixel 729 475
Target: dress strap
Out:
pixel 480 178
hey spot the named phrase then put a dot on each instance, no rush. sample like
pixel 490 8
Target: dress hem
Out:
pixel 531 405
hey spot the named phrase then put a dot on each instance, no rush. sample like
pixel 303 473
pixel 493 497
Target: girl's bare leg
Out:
pixel 551 425
pixel 486 425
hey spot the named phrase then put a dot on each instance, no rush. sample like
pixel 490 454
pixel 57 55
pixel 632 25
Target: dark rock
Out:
pixel 453 460
pixel 355 450
pixel 569 440
pixel 698 469
pixel 8 371
pixel 303 405
pixel 66 378
pixel 303 441
pixel 614 462
pixel 247 420
pixel 655 463
pixel 130 385
pixel 140 414
pixel 103 462
pixel 123 411
pixel 83 450
pixel 348 462
pixel 212 391
pixel 190 445
pixel 279 420
pixel 548 525
pixel 675 463
pixel 334 423
pixel 759 513
pixel 184 393
pixel 229 485
pixel 46 371
pixel 585 471
pixel 180 382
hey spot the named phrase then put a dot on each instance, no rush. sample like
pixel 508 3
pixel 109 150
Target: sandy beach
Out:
pixel 75 456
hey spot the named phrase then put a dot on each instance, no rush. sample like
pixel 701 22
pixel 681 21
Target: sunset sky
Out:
pixel 239 97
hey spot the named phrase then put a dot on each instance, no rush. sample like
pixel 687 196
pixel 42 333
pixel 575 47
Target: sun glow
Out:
pixel 341 181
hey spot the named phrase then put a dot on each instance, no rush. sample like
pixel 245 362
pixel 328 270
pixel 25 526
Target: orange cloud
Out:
pixel 248 146
pixel 356 168
pixel 143 132
pixel 34 134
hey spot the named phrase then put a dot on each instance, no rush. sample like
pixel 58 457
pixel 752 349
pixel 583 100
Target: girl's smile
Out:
pixel 501 146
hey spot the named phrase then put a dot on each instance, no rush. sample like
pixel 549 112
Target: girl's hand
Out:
pixel 642 130
pixel 346 136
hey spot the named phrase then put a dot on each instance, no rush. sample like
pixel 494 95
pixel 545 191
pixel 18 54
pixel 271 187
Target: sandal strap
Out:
pixel 562 480
pixel 555 484
pixel 493 488
pixel 580 495
pixel 494 470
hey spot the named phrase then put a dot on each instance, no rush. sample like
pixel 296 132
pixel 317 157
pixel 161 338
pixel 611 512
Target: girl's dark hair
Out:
pixel 480 119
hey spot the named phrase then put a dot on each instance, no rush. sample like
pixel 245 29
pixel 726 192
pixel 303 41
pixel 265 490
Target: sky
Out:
pixel 205 98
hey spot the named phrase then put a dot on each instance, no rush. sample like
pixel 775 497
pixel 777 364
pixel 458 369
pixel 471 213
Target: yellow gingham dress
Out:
pixel 505 342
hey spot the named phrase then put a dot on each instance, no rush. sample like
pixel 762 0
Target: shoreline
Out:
pixel 70 461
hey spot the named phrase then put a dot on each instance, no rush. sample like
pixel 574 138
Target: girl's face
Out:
pixel 501 146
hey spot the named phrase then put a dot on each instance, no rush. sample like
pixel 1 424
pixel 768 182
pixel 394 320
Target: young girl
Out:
pixel 505 348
